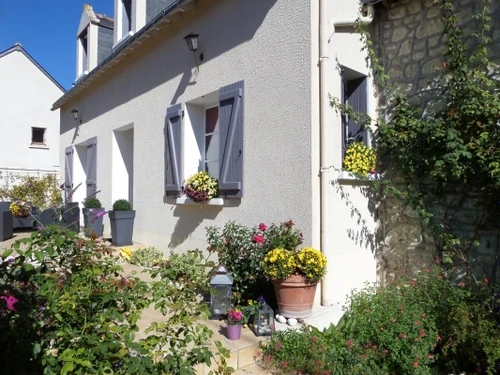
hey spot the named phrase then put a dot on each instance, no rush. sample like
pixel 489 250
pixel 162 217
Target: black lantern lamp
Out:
pixel 74 113
pixel 220 299
pixel 263 320
pixel 192 42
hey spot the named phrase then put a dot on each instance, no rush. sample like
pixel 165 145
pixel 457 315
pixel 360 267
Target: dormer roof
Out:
pixel 89 16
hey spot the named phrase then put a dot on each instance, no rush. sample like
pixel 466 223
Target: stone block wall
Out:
pixel 408 38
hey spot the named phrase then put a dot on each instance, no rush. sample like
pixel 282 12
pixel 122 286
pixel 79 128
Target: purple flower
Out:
pixel 10 301
pixel 261 299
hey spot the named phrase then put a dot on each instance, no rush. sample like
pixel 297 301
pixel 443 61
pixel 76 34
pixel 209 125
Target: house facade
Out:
pixel 250 105
pixel 30 130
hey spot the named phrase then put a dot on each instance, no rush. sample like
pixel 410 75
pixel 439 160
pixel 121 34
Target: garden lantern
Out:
pixel 263 320
pixel 220 299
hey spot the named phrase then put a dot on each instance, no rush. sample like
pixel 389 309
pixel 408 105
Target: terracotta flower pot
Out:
pixel 233 332
pixel 295 296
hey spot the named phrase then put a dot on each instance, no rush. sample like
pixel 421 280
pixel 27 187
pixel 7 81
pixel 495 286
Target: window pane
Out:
pixel 212 167
pixel 212 147
pixel 212 120
pixel 38 135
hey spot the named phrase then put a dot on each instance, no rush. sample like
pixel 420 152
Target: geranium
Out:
pixel 201 187
pixel 20 209
pixel 262 227
pixel 235 317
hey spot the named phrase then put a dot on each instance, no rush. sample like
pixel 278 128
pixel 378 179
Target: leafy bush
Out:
pixel 191 267
pixel 420 324
pixel 43 192
pixel 147 257
pixel 122 205
pixel 66 308
pixel 241 249
pixel 92 202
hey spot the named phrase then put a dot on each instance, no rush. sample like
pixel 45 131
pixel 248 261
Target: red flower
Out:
pixel 262 227
pixel 426 270
pixel 289 223
pixel 485 280
pixel 431 356
pixel 279 345
pixel 258 239
pixel 349 343
pixel 415 364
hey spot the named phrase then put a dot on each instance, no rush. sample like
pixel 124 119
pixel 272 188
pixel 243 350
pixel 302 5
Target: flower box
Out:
pixel 211 202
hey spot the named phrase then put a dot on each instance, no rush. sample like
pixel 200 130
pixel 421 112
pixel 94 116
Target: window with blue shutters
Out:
pixel 207 134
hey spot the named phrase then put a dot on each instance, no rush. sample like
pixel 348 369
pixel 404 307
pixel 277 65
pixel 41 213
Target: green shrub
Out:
pixel 65 308
pixel 147 257
pixel 43 192
pixel 92 202
pixel 241 250
pixel 421 324
pixel 122 205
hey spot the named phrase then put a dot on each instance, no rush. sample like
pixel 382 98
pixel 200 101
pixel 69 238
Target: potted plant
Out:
pixel 295 275
pixel 235 318
pixel 21 212
pixel 201 187
pixel 360 159
pixel 122 223
pixel 70 211
pixel 92 216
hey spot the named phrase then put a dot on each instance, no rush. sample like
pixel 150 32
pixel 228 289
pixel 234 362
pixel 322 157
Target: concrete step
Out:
pixel 252 370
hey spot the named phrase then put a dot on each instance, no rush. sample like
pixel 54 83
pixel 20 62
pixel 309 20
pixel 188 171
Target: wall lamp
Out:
pixel 192 42
pixel 75 114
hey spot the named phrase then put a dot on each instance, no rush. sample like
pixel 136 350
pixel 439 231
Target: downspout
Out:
pixel 325 33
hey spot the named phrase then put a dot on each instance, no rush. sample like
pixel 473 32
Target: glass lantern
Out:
pixel 263 320
pixel 220 298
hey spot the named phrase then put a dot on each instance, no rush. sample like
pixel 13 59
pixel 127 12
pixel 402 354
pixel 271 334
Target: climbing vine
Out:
pixel 445 146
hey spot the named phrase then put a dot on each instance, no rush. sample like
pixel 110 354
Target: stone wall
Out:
pixel 408 37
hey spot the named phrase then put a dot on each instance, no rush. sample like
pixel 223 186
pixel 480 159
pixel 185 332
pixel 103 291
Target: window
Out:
pixel 206 134
pixel 126 16
pixel 355 95
pixel 83 52
pixel 38 136
pixel 211 146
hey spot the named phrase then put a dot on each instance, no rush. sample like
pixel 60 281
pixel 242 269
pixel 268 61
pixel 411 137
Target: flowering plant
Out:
pixel 255 304
pixel 20 209
pixel 279 264
pixel 235 317
pixel 360 159
pixel 201 187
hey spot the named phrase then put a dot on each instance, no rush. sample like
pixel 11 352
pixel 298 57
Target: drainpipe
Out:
pixel 327 29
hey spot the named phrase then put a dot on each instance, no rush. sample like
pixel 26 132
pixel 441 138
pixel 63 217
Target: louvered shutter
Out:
pixel 68 168
pixel 91 167
pixel 173 151
pixel 356 96
pixel 231 120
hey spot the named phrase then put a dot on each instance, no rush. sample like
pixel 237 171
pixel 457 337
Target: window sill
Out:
pixel 211 202
pixel 40 147
pixel 123 39
pixel 349 177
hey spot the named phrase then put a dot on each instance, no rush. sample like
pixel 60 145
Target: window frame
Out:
pixel 205 134
pixel 35 143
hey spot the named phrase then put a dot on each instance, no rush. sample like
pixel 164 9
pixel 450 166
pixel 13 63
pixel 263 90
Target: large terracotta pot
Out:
pixel 295 296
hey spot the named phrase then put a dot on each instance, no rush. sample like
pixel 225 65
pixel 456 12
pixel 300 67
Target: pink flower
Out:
pixel 426 270
pixel 415 364
pixel 258 239
pixel 289 223
pixel 431 356
pixel 279 345
pixel 10 301
pixel 262 227
pixel 485 280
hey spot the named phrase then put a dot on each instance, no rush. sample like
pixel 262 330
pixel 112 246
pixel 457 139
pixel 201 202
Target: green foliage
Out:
pixel 445 143
pixel 146 257
pixel 191 267
pixel 416 325
pixel 92 202
pixel 76 313
pixel 43 192
pixel 241 250
pixel 122 205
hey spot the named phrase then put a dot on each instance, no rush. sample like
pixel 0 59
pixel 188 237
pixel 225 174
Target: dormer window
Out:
pixel 83 48
pixel 130 17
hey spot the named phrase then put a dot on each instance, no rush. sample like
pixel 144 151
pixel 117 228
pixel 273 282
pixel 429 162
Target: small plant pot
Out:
pixel 233 332
pixel 122 227
pixel 91 223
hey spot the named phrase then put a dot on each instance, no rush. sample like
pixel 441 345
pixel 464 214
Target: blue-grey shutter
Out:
pixel 231 120
pixel 68 168
pixel 356 95
pixel 173 151
pixel 91 167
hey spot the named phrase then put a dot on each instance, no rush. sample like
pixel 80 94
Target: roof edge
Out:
pixel 81 83
pixel 19 48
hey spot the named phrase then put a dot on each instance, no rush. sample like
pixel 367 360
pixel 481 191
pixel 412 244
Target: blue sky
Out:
pixel 47 30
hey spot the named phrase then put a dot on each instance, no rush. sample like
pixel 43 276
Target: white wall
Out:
pixel 26 96
pixel 266 43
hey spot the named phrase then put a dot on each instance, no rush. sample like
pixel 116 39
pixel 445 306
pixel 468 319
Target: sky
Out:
pixel 47 31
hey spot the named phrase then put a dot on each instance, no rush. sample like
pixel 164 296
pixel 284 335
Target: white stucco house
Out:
pixel 30 130
pixel 251 106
